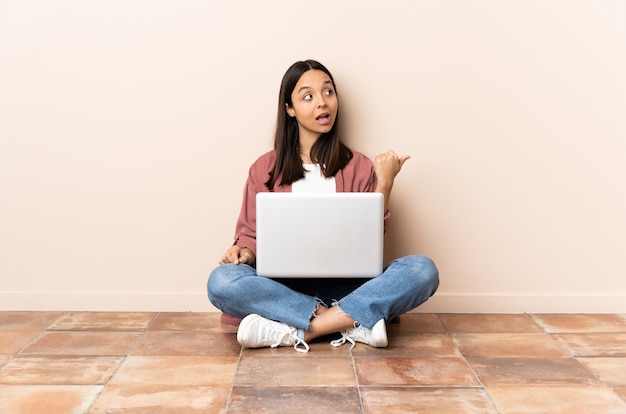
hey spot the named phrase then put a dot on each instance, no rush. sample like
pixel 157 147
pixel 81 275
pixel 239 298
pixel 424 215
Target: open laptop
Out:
pixel 319 235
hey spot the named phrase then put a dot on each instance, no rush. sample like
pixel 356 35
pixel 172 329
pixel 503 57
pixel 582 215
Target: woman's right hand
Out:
pixel 237 255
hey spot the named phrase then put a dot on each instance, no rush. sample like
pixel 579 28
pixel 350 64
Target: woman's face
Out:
pixel 314 104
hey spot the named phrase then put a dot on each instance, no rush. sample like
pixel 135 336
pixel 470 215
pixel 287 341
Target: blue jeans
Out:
pixel 405 284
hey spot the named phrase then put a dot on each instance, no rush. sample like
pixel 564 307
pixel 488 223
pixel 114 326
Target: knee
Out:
pixel 425 271
pixel 220 280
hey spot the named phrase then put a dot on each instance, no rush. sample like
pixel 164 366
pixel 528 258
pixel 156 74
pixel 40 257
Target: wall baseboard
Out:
pixel 198 302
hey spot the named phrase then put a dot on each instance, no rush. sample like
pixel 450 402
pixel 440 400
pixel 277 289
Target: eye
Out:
pixel 307 97
pixel 329 92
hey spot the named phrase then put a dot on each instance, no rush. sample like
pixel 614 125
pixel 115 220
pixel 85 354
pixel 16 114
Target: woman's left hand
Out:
pixel 387 165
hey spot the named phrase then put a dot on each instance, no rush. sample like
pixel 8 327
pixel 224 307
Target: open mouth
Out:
pixel 323 118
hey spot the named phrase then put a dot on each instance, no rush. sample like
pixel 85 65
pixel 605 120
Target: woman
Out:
pixel 308 156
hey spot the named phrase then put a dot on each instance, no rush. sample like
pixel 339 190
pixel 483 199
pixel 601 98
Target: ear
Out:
pixel 290 111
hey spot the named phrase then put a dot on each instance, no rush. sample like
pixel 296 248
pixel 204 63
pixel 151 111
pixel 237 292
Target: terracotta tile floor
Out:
pixel 92 362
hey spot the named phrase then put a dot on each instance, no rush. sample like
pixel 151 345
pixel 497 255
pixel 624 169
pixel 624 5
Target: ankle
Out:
pixel 319 311
pixel 329 322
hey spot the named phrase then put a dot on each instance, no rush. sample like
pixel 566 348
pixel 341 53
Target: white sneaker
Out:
pixel 257 332
pixel 376 337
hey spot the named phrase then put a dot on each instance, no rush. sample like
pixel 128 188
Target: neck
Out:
pixel 306 142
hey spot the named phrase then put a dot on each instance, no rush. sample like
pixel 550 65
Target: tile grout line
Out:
pixel 38 336
pixel 573 355
pixel 531 317
pixel 232 383
pixel 356 381
pixel 18 353
pixel 464 357
pixel 124 358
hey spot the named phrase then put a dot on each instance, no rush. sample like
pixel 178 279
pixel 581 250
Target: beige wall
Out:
pixel 126 130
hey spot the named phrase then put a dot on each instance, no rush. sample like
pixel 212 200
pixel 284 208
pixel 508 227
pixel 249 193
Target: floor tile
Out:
pixel 187 343
pixel 402 371
pixel 508 345
pixel 176 370
pixel 27 321
pixel 426 401
pixel 483 323
pixel 610 370
pixel 416 322
pixel 160 399
pixel 286 399
pixel 190 322
pixel 556 400
pixel 590 344
pixel 59 370
pixel 579 323
pixel 48 399
pixel 13 341
pixel 83 343
pixel 103 321
pixel 414 345
pixel 4 358
pixel 295 371
pixel 535 371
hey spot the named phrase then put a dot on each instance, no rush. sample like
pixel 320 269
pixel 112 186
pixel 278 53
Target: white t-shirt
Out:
pixel 314 181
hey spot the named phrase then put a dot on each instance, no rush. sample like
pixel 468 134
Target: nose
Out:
pixel 321 103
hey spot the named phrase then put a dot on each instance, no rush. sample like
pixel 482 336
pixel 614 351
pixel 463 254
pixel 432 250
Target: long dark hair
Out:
pixel 328 150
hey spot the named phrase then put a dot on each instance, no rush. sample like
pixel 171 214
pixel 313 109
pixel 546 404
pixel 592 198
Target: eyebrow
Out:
pixel 327 82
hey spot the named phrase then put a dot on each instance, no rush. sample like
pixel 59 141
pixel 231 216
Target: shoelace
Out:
pixel 357 333
pixel 299 341
pixel 342 340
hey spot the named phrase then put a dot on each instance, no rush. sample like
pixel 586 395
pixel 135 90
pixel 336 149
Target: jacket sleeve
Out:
pixel 245 231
